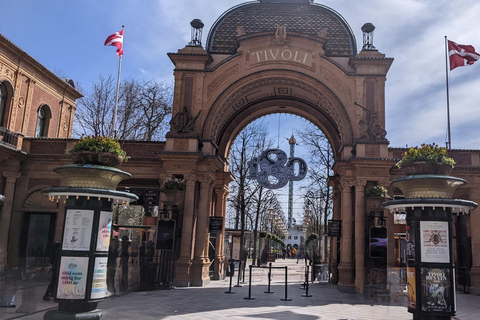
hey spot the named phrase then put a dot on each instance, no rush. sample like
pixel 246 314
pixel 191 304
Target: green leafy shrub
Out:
pixel 427 152
pixel 98 144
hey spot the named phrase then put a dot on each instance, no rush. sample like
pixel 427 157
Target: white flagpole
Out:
pixel 449 142
pixel 114 119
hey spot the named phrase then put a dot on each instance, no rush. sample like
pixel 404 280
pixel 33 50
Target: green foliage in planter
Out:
pixel 312 237
pixel 174 184
pixel 376 191
pixel 427 152
pixel 98 144
pixel 269 236
pixel 263 234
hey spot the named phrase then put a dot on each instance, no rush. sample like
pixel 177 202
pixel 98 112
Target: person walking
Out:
pixel 54 262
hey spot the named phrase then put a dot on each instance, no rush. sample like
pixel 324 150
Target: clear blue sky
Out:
pixel 67 37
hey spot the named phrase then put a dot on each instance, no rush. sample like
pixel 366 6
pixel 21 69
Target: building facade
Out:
pixel 260 58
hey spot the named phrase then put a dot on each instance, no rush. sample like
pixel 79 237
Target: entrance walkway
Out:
pixel 211 302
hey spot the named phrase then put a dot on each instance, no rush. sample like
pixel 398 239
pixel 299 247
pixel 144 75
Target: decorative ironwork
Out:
pixel 274 170
pixel 197 27
pixel 367 30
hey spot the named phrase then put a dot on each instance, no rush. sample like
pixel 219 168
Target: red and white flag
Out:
pixel 461 55
pixel 116 40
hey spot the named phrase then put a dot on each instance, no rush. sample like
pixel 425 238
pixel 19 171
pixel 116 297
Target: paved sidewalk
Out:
pixel 211 302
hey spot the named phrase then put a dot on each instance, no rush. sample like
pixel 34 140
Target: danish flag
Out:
pixel 116 40
pixel 461 55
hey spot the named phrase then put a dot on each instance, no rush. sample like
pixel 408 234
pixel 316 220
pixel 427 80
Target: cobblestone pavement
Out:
pixel 211 302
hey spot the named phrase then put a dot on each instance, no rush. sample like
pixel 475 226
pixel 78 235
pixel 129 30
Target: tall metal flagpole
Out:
pixel 449 142
pixel 114 119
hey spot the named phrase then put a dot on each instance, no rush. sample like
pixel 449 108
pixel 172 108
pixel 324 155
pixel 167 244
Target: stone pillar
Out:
pixel 359 236
pixel 334 248
pixel 345 269
pixel 183 264
pixel 220 209
pixel 6 216
pixel 475 225
pixel 201 263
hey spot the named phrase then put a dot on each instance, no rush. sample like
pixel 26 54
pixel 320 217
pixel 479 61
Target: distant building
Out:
pixel 295 238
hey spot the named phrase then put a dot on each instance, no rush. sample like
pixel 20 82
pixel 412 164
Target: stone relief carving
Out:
pixel 322 33
pixel 339 85
pixel 240 31
pixel 222 78
pixel 184 122
pixel 369 127
pixel 226 111
pixel 280 35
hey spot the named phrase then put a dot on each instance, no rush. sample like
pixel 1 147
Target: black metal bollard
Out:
pixel 269 278
pixel 286 285
pixel 238 285
pixel 306 285
pixel 243 270
pixel 230 272
pixel 250 286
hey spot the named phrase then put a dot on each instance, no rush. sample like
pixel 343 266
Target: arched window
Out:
pixel 43 117
pixel 3 104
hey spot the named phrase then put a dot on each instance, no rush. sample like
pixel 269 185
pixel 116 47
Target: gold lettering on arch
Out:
pixel 292 55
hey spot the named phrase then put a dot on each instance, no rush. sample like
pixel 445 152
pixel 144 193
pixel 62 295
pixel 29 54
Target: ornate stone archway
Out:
pixel 312 71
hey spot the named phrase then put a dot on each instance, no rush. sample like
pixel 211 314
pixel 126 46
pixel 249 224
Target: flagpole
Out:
pixel 449 142
pixel 114 119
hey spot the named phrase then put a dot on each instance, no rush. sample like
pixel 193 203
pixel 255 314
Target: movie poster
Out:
pixel 72 282
pixel 436 291
pixel 411 289
pixel 104 227
pixel 410 240
pixel 99 280
pixel 434 241
pixel 78 230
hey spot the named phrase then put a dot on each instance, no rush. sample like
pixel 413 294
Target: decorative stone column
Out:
pixel 6 216
pixel 183 264
pixel 359 236
pixel 474 226
pixel 200 266
pixel 334 243
pixel 220 209
pixel 345 269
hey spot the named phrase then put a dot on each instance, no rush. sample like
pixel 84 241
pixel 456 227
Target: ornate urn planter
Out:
pixel 175 197
pixel 97 158
pixel 426 167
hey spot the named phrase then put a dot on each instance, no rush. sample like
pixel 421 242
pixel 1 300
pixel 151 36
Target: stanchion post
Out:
pixel 306 277
pixel 286 285
pixel 306 286
pixel 231 273
pixel 250 285
pixel 238 285
pixel 269 278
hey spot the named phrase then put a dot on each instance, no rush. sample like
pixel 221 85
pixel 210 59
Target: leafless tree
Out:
pixel 320 168
pixel 143 112
pixel 244 193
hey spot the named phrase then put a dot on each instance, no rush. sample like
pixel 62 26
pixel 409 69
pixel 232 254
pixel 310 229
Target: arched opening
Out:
pixel 43 121
pixel 6 94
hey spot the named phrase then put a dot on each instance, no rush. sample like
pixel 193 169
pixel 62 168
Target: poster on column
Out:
pixel 104 227
pixel 72 282
pixel 434 241
pixel 78 230
pixel 411 289
pixel 99 281
pixel 436 293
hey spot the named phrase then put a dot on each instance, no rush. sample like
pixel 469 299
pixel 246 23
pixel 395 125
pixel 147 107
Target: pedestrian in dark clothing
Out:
pixel 54 255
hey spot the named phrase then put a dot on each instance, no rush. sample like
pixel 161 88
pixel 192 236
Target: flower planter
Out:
pixel 426 167
pixel 175 197
pixel 97 158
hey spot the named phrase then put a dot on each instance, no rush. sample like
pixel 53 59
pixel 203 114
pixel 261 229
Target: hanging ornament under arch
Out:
pixel 273 169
